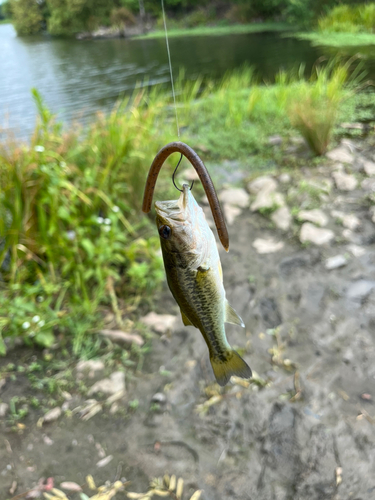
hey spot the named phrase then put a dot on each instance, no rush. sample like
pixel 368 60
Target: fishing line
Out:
pixel 174 173
pixel 170 68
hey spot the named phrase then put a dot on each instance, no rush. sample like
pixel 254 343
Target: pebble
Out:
pixel 231 213
pixel 52 415
pixel 115 383
pixel 336 262
pixel 368 185
pixel 349 221
pixel 70 486
pixel 159 397
pixel 237 197
pixel 340 154
pixel 372 213
pixel 105 461
pixel 356 250
pixel 160 323
pixel 4 407
pixel 267 200
pixel 315 216
pixel 275 140
pixel 120 337
pixel 261 183
pixel 282 218
pixel 345 182
pixel 369 168
pixel 92 365
pixel 269 245
pixel 285 178
pixel 316 235
pixel 360 289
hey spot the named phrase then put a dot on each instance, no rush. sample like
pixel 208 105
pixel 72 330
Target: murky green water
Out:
pixel 77 78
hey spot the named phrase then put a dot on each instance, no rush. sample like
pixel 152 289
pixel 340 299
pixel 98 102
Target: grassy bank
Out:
pixel 74 247
pixel 234 29
pixel 340 40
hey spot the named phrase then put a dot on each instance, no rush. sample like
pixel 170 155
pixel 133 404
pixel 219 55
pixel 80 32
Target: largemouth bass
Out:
pixel 194 275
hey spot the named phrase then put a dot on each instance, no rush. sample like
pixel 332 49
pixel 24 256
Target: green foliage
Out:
pixel 27 16
pixel 349 19
pixel 69 212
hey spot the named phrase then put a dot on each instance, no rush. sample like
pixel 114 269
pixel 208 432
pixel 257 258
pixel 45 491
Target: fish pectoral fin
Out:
pixel 203 268
pixel 231 316
pixel 186 321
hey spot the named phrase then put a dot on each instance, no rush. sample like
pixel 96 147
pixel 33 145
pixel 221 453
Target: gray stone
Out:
pixel 3 409
pixel 345 182
pixel 336 262
pixel 282 218
pixel 161 323
pixel 268 245
pixel 368 185
pixel 159 398
pixel 316 235
pixel 372 213
pixel 120 337
pixel 315 216
pixel 356 250
pixel 285 178
pixel 275 140
pixel 340 154
pixel 92 365
pixel 369 168
pixel 237 197
pixel 115 383
pixel 352 126
pixel 349 221
pixel 231 213
pixel 267 200
pixel 360 289
pixel 52 415
pixel 261 183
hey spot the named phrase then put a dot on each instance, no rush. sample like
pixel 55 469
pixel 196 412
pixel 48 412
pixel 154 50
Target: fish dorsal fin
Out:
pixel 186 321
pixel 231 316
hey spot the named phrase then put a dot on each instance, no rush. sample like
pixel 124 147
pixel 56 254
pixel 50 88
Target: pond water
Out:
pixel 78 78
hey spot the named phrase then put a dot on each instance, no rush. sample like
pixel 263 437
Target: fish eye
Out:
pixel 165 232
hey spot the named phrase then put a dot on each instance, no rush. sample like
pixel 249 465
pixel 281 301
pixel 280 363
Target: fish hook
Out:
pixel 204 177
pixel 174 173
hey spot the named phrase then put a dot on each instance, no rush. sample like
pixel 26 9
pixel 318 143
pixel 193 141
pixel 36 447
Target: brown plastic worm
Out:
pixel 204 176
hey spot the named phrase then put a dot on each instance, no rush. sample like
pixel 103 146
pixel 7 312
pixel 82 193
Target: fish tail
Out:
pixel 229 364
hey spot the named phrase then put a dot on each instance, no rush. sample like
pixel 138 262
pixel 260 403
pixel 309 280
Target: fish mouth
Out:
pixel 174 209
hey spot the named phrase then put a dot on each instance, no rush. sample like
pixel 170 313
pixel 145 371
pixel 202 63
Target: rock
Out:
pixel 316 235
pixel 285 178
pixel 340 154
pixel 372 213
pixel 161 323
pixel 356 250
pixel 231 213
pixel 336 262
pixel 3 409
pixel 275 140
pixel 159 398
pixel 360 289
pixel 267 245
pixel 237 197
pixel 70 486
pixel 353 126
pixel 315 216
pixel 120 337
pixel 282 218
pixel 267 200
pixel 369 167
pixel 52 415
pixel 345 182
pixel 115 383
pixel 104 461
pixel 262 182
pixel 92 365
pixel 349 221
pixel 368 185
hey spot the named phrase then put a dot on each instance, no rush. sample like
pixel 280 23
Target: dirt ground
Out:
pixel 304 430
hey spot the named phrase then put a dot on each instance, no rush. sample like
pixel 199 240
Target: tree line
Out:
pixel 66 17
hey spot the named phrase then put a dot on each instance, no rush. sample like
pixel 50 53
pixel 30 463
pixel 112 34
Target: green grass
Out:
pixel 5 21
pixel 335 39
pixel 73 243
pixel 236 29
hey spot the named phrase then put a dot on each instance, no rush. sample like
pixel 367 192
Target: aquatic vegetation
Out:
pixel 349 19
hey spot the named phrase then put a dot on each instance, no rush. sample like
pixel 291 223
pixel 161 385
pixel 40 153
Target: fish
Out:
pixel 195 278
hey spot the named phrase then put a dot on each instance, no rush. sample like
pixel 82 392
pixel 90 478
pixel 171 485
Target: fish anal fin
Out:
pixel 229 364
pixel 231 316
pixel 186 321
